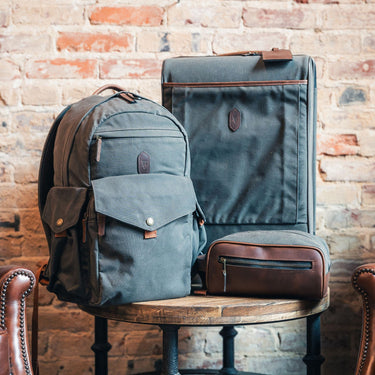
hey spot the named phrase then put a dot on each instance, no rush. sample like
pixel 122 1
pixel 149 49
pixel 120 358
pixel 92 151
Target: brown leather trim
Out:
pixel 150 234
pixel 143 163
pixel 234 119
pixel 268 245
pixel 236 84
pixel 277 55
pixel 324 285
pixel 84 230
pixel 101 224
pixel 61 234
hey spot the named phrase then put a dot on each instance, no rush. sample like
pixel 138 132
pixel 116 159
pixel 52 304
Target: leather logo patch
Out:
pixel 143 162
pixel 234 120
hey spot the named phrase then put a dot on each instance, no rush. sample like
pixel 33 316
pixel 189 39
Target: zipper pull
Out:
pixel 224 273
pixel 98 148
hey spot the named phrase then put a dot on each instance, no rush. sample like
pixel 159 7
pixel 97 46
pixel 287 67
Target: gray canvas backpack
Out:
pixel 117 204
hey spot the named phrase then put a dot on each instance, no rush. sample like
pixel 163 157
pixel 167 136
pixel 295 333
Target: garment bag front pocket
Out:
pixel 248 143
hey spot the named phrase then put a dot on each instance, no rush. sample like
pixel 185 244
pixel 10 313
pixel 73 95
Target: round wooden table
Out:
pixel 210 311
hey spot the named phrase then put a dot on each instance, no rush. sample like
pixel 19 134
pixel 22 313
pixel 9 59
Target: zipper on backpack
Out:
pixel 133 133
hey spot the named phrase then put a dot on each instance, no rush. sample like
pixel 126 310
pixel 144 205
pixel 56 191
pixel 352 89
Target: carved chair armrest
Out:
pixel 16 284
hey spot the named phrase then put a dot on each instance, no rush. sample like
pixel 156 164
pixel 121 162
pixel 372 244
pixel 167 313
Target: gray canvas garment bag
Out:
pixel 117 203
pixel 250 119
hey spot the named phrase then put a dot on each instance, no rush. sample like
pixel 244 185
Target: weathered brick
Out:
pixel 149 41
pixel 348 169
pixel 6 172
pixel 26 172
pixel 26 196
pixel 289 343
pixel 143 344
pixel 4 16
pixel 329 43
pixel 138 16
pixel 252 40
pixel 344 69
pixel 32 122
pixel 220 15
pixel 10 243
pixel 9 70
pixel 61 68
pixel 367 142
pixel 132 68
pixel 7 198
pixel 291 365
pixel 47 14
pixel 287 18
pixel 346 119
pixel 39 93
pixel 129 365
pixel 337 194
pixel 191 340
pixel 266 340
pixel 349 218
pixel 76 90
pixel 368 43
pixel 337 144
pixel 341 17
pixel 39 250
pixel 68 365
pixel 341 245
pixel 70 319
pixel 95 42
pixel 353 95
pixel 368 195
pixel 68 344
pixel 25 42
pixel 32 224
pixel 9 96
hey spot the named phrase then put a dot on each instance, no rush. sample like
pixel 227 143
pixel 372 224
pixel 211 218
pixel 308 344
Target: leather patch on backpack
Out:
pixel 143 162
pixel 234 120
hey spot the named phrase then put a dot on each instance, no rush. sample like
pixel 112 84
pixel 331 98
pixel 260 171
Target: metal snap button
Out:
pixel 59 222
pixel 150 221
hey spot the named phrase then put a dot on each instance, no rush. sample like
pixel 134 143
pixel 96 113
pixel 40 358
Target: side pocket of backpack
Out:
pixel 199 237
pixel 63 213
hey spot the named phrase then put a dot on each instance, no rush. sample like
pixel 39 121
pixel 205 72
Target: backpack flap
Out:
pixel 147 232
pixel 147 202
pixel 62 212
pixel 63 207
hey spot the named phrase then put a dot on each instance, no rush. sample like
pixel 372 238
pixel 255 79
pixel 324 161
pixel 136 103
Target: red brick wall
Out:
pixel 53 53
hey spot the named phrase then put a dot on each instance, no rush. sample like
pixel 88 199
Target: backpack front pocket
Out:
pixel 67 265
pixel 145 228
pixel 248 148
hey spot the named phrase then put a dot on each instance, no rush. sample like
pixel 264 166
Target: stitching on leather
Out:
pixel 366 335
pixel 22 313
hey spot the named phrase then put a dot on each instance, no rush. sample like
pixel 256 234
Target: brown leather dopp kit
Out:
pixel 233 267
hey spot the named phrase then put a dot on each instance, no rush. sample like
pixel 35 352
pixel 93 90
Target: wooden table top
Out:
pixel 211 310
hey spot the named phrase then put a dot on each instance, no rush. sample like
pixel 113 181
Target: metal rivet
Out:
pixel 59 222
pixel 150 221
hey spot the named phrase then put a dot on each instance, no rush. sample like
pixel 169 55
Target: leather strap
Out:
pixel 40 278
pixel 129 97
pixel 275 54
